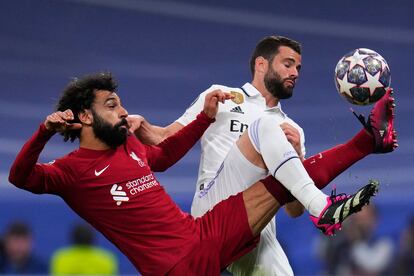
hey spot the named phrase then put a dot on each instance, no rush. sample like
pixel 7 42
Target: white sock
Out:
pixel 284 164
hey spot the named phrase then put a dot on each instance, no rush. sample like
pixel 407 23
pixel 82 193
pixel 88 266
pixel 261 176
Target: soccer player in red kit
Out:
pixel 109 182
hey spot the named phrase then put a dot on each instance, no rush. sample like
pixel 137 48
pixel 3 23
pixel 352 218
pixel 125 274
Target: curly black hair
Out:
pixel 79 95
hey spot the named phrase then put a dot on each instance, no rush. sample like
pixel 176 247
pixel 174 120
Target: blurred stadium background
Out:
pixel 165 52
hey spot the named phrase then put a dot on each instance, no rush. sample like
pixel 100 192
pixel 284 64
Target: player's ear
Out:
pixel 86 117
pixel 261 65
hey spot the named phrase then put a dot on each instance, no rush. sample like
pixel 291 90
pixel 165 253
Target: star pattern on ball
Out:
pixel 356 58
pixel 362 76
pixel 372 82
pixel 345 86
pixel 384 64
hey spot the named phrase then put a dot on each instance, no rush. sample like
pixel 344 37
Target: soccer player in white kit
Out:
pixel 275 66
pixel 232 119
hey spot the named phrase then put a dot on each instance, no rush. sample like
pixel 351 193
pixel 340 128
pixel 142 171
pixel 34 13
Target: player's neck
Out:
pixel 271 101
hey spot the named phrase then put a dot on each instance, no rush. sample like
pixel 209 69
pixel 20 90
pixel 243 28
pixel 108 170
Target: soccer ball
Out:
pixel 362 76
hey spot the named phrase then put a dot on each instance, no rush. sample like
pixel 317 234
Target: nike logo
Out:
pixel 98 173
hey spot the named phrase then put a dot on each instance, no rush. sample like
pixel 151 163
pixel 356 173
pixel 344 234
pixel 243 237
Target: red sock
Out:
pixel 327 165
pixel 277 190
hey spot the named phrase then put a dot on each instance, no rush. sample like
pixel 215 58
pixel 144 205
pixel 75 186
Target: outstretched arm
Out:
pixel 168 152
pixel 150 134
pixel 25 173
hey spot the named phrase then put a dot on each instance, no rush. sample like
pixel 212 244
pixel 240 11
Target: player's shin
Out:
pixel 325 166
pixel 283 163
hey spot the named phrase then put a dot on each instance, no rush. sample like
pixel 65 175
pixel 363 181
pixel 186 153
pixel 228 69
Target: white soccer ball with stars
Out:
pixel 362 76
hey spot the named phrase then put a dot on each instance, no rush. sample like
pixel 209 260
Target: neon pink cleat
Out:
pixel 340 207
pixel 380 123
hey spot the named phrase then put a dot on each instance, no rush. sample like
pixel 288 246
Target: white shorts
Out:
pixel 235 175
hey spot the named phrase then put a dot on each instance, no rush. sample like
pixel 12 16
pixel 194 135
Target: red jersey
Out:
pixel 116 191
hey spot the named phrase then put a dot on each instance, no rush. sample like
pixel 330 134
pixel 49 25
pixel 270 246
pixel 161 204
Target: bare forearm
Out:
pixel 150 134
pixel 176 146
pixel 153 135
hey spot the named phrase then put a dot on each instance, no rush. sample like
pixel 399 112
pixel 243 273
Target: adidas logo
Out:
pixel 237 109
pixel 118 195
pixel 381 133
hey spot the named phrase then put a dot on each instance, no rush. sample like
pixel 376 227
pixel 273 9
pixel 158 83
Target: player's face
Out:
pixel 109 119
pixel 282 73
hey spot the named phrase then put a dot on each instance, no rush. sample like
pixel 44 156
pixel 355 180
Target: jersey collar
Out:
pixel 251 91
pixel 277 109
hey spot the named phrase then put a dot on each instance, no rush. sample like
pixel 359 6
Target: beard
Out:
pixel 274 84
pixel 113 136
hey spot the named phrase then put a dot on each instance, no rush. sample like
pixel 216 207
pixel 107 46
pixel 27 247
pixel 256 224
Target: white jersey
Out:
pixel 232 119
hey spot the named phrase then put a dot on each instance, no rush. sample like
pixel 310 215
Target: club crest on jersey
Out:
pixel 136 158
pixel 238 97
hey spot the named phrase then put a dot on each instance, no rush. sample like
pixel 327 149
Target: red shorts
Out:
pixel 225 236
